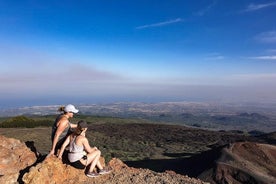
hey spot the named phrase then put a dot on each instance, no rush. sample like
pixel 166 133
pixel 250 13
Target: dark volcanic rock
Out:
pixel 244 162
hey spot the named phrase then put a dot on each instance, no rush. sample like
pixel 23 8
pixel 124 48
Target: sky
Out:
pixel 90 51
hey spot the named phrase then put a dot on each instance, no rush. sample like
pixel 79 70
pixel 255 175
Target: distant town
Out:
pixel 227 116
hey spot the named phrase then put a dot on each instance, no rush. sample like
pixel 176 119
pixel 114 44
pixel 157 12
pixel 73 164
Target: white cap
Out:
pixel 71 108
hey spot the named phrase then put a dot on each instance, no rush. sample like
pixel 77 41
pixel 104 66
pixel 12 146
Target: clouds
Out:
pixel 31 68
pixel 80 81
pixel 254 7
pixel 72 73
pixel 214 56
pixel 269 57
pixel 266 37
pixel 85 73
pixel 76 78
pixel 177 45
pixel 160 24
pixel 271 50
pixel 203 11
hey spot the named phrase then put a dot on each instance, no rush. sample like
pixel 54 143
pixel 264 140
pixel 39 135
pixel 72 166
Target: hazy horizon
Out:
pixel 41 102
pixel 60 52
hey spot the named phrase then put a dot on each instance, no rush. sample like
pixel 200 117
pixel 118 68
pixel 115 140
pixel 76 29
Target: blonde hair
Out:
pixel 61 109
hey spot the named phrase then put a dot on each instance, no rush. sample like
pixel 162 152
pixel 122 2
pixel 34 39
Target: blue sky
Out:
pixel 101 51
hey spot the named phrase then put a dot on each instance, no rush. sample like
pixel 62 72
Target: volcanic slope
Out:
pixel 244 162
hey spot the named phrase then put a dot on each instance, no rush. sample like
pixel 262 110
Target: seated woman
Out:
pixel 79 146
pixel 61 128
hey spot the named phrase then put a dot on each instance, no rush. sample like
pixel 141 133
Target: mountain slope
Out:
pixel 244 162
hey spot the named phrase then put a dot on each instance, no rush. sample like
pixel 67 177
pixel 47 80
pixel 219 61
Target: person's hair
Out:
pixel 79 129
pixel 61 109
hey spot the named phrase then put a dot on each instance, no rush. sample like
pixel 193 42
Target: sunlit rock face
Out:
pixel 15 156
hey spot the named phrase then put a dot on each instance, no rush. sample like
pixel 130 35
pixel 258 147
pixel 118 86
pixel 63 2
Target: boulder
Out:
pixel 15 158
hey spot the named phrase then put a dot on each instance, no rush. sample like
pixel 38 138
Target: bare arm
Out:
pixel 66 142
pixel 87 147
pixel 61 127
pixel 73 125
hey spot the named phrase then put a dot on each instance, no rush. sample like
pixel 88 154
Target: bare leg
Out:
pixel 93 158
pixel 94 162
pixel 99 165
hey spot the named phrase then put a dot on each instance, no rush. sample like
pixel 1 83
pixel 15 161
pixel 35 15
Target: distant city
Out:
pixel 127 109
pixel 216 116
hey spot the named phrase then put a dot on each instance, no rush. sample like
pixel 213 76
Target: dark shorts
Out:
pixel 78 163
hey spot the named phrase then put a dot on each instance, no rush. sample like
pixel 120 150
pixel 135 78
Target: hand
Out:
pixel 52 152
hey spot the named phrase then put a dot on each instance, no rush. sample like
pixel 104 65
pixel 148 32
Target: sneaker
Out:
pixel 92 174
pixel 104 171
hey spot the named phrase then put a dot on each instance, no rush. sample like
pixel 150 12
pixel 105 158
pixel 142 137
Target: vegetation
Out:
pixel 23 121
pixel 242 121
pixel 47 121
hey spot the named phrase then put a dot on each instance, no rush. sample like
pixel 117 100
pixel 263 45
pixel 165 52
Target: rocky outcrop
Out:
pixel 15 157
pixel 245 162
pixel 19 164
pixel 52 170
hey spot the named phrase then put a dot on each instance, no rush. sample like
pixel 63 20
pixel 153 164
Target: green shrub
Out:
pixel 24 122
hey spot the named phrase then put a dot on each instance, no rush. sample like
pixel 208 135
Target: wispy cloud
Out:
pixel 271 50
pixel 255 7
pixel 160 24
pixel 272 57
pixel 73 74
pixel 214 56
pixel 82 72
pixel 267 37
pixel 206 9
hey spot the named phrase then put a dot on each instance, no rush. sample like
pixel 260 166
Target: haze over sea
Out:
pixel 81 52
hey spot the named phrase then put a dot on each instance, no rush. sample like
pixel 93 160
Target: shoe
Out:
pixel 92 174
pixel 104 171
